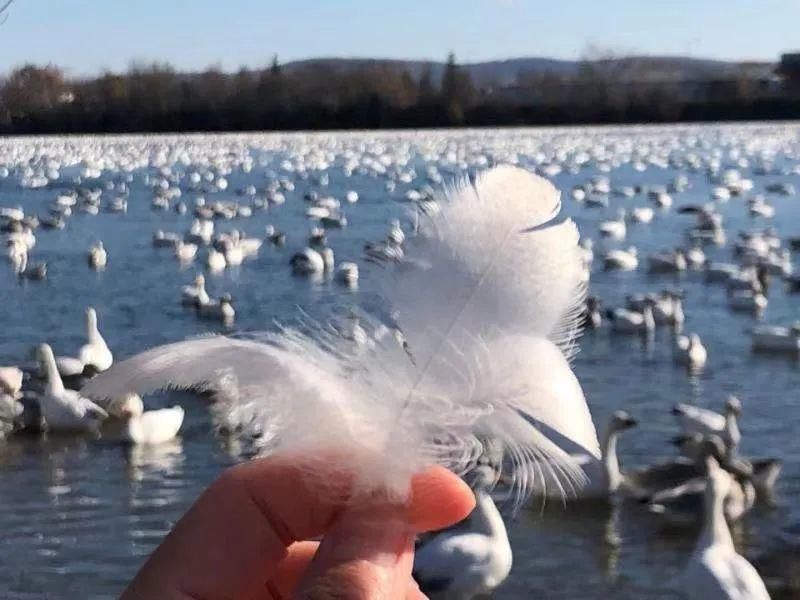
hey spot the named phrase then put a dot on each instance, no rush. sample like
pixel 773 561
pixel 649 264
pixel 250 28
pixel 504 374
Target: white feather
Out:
pixel 481 318
pixel 495 260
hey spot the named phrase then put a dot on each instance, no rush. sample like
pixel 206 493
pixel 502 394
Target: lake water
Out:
pixel 78 516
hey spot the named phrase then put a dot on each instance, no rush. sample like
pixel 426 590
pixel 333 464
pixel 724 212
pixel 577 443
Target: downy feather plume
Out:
pixel 487 321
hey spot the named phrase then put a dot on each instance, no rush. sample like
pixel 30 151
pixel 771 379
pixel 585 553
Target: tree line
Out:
pixel 155 97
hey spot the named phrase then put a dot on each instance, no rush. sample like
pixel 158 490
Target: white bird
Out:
pixel 625 320
pixel 222 310
pixel 715 570
pixel 693 419
pixel 758 207
pixel 98 257
pixel 614 228
pixel 621 260
pixel 234 253
pixel 641 214
pixel 602 474
pixel 396 234
pixel 192 295
pixel 490 322
pixel 185 252
pixel 667 262
pixel 347 273
pixel 17 254
pixel 471 559
pixel 129 422
pixel 689 351
pixel 62 409
pixel 747 300
pixel 216 261
pixel 11 380
pixel 307 262
pixel 94 354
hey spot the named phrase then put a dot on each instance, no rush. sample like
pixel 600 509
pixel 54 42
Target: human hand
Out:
pixel 246 537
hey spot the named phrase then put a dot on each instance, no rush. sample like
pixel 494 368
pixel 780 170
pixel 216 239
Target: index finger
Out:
pixel 231 540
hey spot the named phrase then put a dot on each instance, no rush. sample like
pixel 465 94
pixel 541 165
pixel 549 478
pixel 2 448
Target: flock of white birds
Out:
pixel 486 270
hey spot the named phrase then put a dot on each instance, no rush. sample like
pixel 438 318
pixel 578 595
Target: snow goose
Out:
pixel 129 422
pixel 94 354
pixel 689 351
pixel 472 558
pixel 192 295
pixel 693 419
pixel 624 320
pixel 222 310
pixel 621 260
pixel 614 228
pixel 98 258
pixel 63 409
pixel 715 569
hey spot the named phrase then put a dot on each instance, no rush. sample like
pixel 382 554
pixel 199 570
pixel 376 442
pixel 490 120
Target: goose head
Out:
pixel 621 420
pixel 127 407
pixel 733 406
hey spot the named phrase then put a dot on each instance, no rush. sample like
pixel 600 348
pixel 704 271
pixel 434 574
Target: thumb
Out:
pixel 367 553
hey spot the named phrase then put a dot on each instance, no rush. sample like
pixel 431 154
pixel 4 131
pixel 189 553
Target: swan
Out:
pixel 216 260
pixel 129 422
pixel 715 569
pixel 221 310
pixel 624 320
pixel 62 409
pixel 621 260
pixel 693 419
pixel 98 258
pixel 472 558
pixel 667 262
pixel 94 354
pixel 771 338
pixel 347 273
pixel 307 262
pixel 689 351
pixel 192 295
pixel 614 229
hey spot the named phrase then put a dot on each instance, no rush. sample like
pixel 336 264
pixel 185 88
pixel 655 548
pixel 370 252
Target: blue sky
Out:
pixel 86 36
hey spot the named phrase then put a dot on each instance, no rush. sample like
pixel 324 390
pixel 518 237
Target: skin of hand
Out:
pixel 247 537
